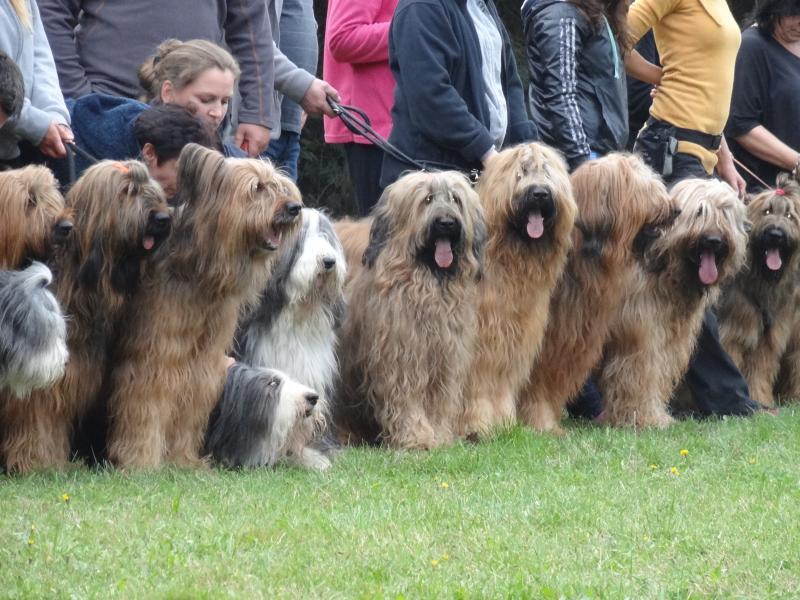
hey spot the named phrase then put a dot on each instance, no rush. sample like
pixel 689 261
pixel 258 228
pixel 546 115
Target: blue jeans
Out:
pixel 285 153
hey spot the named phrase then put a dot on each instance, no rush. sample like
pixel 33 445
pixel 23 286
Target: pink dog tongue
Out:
pixel 535 225
pixel 444 253
pixel 708 268
pixel 774 261
pixel 148 242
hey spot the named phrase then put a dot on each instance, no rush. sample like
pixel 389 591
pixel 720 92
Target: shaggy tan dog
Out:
pixel 33 216
pixel 757 313
pixel 787 387
pixel 652 341
pixel 408 339
pixel 354 236
pixel 120 216
pixel 621 202
pixel 170 367
pixel 530 213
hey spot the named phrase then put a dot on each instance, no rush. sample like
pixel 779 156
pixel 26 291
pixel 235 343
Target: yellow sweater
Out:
pixel 697 42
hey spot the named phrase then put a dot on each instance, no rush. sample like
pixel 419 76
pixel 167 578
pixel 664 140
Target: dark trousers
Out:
pixel 717 386
pixel 364 162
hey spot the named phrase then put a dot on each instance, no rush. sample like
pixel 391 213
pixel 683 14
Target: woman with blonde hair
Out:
pixel 43 122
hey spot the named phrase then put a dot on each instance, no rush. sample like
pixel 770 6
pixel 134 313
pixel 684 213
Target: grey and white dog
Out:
pixel 293 327
pixel 33 347
pixel 260 418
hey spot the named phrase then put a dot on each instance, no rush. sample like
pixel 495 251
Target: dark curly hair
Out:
pixel 613 10
pixel 169 128
pixel 12 88
pixel 767 13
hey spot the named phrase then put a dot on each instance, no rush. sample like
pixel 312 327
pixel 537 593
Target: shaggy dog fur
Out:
pixel 652 341
pixel 293 327
pixel 120 216
pixel 408 338
pixel 530 212
pixel 169 366
pixel 260 419
pixel 33 346
pixel 33 215
pixel 621 204
pixel 787 387
pixel 757 312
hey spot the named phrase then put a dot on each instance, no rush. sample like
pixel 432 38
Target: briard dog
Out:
pixel 622 205
pixel 354 236
pixel 120 217
pixel 261 419
pixel 757 312
pixel 170 362
pixel 409 336
pixel 33 216
pixel 530 212
pixel 293 328
pixel 652 341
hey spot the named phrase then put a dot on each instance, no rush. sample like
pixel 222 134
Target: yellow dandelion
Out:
pixel 434 563
pixel 674 470
pixel 752 460
pixel 445 556
pixel 654 466
pixel 65 497
pixel 684 452
pixel 33 527
pixel 444 485
pixel 30 541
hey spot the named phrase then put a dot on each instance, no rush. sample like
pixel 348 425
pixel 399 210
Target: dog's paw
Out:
pixel 313 459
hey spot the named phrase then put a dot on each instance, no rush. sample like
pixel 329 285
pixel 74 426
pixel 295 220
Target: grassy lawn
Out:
pixel 596 513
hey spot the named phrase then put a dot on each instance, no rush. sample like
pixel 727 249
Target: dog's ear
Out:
pixel 379 235
pixel 197 166
pixel 339 311
pixel 89 271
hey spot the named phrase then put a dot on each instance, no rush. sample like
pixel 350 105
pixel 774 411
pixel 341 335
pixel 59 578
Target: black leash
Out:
pixel 73 149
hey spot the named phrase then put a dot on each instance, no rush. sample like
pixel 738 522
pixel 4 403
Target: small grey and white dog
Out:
pixel 261 420
pixel 33 347
pixel 293 327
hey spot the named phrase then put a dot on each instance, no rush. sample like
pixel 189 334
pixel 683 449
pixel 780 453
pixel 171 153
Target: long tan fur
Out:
pixel 408 338
pixel 757 313
pixel 114 207
pixel 530 212
pixel 170 367
pixel 354 235
pixel 652 341
pixel 618 199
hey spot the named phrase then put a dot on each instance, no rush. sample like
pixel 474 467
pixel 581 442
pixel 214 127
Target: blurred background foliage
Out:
pixel 323 171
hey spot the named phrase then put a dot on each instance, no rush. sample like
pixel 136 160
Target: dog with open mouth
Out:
pixel 169 368
pixel 262 417
pixel 120 218
pixel 409 335
pixel 293 327
pixel 530 211
pixel 683 270
pixel 757 311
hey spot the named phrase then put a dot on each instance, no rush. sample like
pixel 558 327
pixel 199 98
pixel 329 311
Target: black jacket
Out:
pixel 577 94
pixel 440 115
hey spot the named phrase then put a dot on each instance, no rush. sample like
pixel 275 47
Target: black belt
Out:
pixel 706 140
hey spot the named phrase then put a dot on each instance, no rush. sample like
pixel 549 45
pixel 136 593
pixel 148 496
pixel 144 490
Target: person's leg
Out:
pixel 588 404
pixel 284 153
pixel 364 162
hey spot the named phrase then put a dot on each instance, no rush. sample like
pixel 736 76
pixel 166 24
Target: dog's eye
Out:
pixel 274 382
pixel 767 211
pixel 428 198
pixel 700 211
pixel 260 187
pixel 457 199
pixel 31 201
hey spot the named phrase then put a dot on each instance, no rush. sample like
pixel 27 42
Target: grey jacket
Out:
pixel 43 100
pixel 100 45
pixel 298 29
pixel 290 80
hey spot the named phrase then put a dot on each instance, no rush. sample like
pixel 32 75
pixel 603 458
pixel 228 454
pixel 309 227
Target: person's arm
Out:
pixel 354 35
pixel 558 88
pixel 424 48
pixel 60 18
pixel 248 34
pixel 640 68
pixel 644 14
pixel 727 170
pixel 520 126
pixel 763 144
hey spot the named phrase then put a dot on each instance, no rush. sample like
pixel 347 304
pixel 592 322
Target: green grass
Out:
pixel 596 513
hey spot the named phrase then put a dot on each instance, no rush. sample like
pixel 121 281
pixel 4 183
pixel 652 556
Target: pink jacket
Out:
pixel 356 63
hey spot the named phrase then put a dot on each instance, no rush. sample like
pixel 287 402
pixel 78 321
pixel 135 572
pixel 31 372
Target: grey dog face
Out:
pixel 33 350
pixel 256 416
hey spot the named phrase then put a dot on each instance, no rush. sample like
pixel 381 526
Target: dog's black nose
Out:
pixel 328 263
pixel 161 220
pixel 64 228
pixel 445 224
pixel 775 236
pixel 711 242
pixel 312 398
pixel 293 208
pixel 541 194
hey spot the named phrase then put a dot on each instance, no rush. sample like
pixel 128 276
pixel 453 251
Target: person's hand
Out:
pixel 728 173
pixel 653 91
pixel 252 138
pixel 52 143
pixel 315 100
